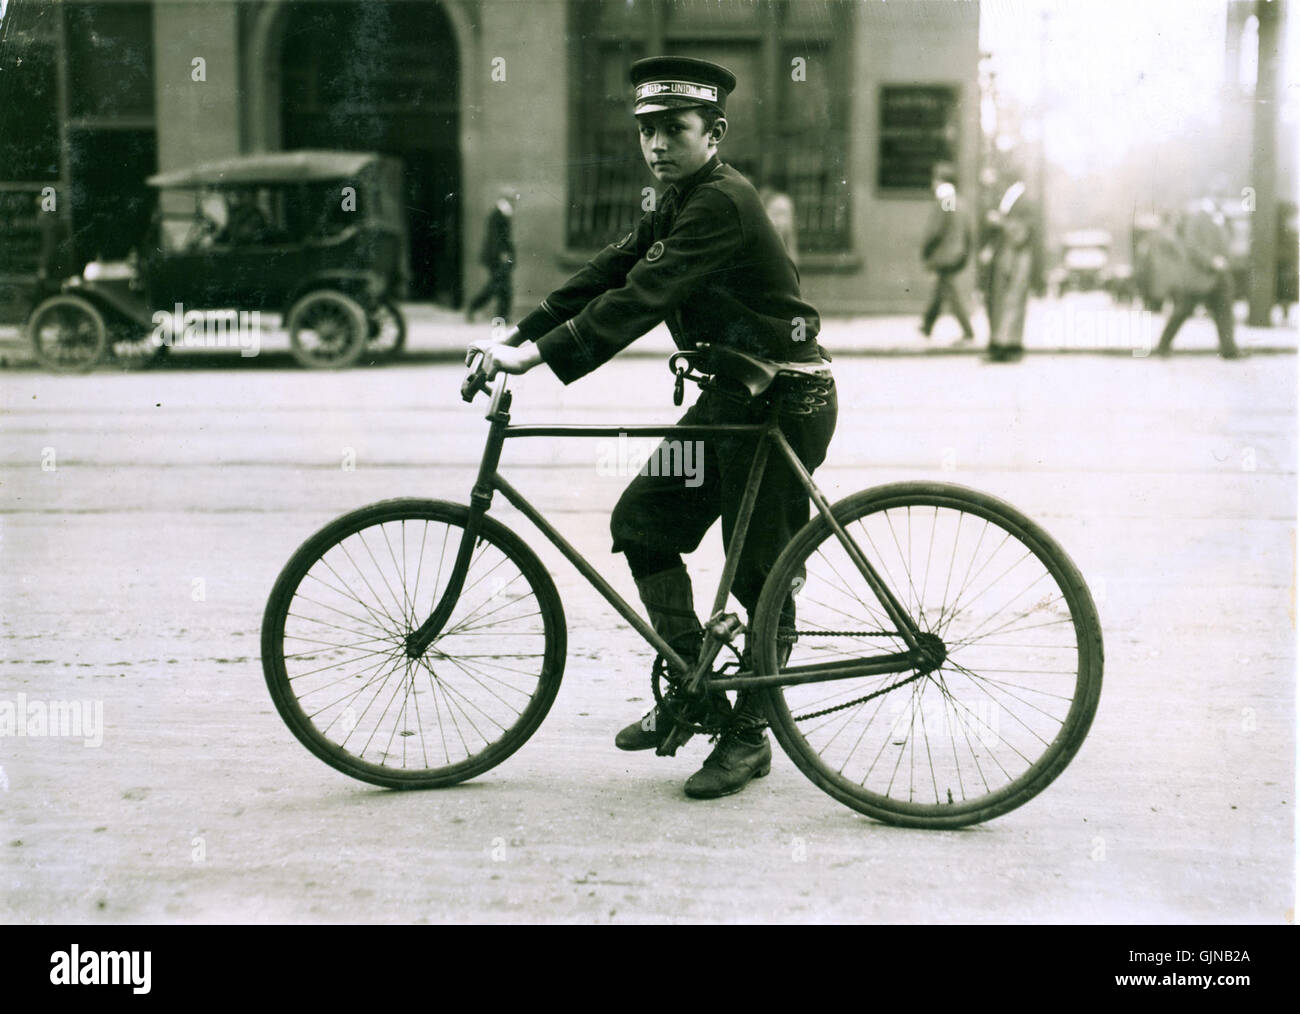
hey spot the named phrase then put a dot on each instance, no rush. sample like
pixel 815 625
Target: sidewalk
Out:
pixel 1080 324
pixel 1086 323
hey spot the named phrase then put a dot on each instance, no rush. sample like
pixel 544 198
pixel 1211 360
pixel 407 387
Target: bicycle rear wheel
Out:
pixel 1014 697
pixel 334 658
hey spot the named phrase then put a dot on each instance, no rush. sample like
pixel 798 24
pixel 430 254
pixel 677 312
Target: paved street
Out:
pixel 145 516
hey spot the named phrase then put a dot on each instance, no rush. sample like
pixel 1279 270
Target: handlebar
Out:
pixel 681 363
pixel 474 382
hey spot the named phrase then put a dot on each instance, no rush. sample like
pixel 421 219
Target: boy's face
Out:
pixel 675 143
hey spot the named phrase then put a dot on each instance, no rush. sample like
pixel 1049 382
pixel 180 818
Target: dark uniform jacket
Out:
pixel 708 261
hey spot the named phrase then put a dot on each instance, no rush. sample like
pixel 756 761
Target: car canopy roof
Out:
pixel 1087 237
pixel 269 167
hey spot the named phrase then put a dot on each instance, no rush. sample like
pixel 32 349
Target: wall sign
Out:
pixel 918 127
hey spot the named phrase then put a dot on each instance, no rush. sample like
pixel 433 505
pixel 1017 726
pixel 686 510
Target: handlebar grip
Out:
pixel 472 384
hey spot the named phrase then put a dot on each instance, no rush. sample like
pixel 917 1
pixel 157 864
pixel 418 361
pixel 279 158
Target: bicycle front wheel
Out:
pixel 334 645
pixel 1010 704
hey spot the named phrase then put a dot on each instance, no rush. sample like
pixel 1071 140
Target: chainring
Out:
pixel 699 716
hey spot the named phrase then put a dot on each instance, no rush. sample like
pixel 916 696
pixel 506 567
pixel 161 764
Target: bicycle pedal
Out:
pixel 677 737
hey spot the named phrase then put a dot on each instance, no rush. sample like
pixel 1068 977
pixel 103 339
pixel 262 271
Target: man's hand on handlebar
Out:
pixel 499 357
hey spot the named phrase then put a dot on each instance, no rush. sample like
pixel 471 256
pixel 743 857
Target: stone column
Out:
pixel 196 80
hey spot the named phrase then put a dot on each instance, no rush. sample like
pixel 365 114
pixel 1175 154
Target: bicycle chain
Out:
pixel 856 700
pixel 661 668
pixel 840 633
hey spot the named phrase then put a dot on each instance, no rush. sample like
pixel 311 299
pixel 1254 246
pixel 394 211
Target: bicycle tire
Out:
pixel 483 692
pixel 949 801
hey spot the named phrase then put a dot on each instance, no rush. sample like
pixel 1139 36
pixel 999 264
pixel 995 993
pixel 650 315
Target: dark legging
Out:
pixel 945 289
pixel 498 284
pixel 660 517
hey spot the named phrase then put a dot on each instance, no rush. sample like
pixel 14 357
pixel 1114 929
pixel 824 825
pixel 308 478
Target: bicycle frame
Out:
pixel 721 627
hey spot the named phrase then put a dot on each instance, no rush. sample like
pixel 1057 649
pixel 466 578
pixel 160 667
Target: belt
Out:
pixel 801 393
pixel 793 392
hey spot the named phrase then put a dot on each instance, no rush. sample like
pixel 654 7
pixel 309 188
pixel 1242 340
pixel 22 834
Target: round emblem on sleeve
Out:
pixel 656 251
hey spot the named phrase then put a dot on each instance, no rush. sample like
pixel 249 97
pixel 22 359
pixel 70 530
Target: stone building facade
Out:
pixel 843 104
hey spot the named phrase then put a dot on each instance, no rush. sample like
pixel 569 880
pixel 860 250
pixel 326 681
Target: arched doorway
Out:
pixel 384 75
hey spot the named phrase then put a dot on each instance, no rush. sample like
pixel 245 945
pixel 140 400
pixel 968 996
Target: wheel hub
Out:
pixel 933 651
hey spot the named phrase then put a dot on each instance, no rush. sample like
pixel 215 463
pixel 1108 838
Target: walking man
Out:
pixel 498 256
pixel 1203 278
pixel 945 250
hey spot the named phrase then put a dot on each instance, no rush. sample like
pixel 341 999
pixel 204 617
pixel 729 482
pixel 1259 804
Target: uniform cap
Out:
pixel 660 83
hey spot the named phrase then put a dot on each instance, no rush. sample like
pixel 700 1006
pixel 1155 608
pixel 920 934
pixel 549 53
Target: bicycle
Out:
pixel 902 674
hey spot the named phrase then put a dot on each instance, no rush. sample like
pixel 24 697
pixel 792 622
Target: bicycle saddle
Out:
pixel 754 374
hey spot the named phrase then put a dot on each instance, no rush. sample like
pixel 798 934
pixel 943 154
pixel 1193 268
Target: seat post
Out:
pixel 743 515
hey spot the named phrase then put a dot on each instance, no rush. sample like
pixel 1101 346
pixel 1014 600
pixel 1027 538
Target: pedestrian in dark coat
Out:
pixel 1017 267
pixel 945 249
pixel 1204 277
pixel 55 260
pixel 498 256
pixel 1159 263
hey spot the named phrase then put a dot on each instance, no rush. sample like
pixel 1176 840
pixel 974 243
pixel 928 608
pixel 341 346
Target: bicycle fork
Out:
pixel 480 499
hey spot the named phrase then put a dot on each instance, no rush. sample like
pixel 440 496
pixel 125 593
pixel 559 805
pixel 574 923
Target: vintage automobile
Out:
pixel 317 237
pixel 1085 259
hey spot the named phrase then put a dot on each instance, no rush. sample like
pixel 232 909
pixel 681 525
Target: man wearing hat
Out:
pixel 945 249
pixel 709 262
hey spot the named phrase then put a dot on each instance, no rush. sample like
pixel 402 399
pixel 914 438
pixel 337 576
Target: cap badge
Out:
pixel 687 89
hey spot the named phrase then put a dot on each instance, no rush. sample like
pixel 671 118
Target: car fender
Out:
pixel 115 300
pixel 366 287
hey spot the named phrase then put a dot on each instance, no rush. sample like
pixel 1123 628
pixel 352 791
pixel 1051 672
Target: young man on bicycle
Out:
pixel 708 261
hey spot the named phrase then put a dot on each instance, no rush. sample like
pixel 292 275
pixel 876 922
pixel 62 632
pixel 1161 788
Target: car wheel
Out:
pixel 327 330
pixel 68 334
pixel 387 336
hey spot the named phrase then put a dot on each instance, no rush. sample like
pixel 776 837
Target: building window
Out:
pixel 110 60
pixel 918 128
pixel 29 95
pixel 788 118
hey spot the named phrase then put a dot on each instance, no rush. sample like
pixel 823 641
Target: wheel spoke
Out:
pixel 978 732
pixel 343 618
